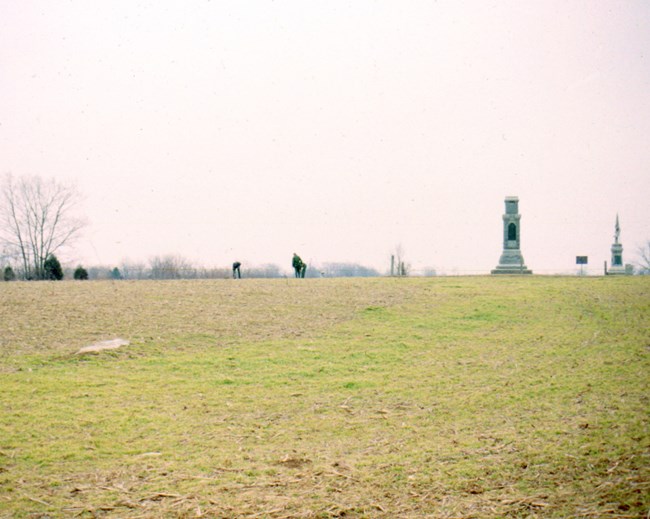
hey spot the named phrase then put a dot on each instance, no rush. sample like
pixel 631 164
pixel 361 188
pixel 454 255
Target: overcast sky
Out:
pixel 249 130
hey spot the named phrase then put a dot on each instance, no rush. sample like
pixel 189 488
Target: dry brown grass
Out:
pixel 441 398
pixel 49 317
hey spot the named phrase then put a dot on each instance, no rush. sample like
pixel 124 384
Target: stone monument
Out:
pixel 511 261
pixel 617 267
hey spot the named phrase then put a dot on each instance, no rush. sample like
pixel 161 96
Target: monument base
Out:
pixel 510 269
pixel 511 262
pixel 616 271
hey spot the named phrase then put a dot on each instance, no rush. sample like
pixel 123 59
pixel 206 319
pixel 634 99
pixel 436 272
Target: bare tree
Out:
pixel 133 270
pixel 335 270
pixel 268 270
pixel 171 266
pixel 37 218
pixel 644 259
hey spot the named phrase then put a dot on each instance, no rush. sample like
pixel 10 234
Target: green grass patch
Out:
pixel 440 397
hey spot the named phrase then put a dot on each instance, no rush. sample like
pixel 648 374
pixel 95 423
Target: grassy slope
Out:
pixel 448 397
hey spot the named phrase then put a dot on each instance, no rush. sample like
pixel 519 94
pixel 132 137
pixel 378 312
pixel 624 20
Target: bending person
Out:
pixel 297 265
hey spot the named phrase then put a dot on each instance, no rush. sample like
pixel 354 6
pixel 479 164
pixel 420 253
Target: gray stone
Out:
pixel 511 260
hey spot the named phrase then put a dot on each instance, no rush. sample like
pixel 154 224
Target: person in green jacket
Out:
pixel 298 266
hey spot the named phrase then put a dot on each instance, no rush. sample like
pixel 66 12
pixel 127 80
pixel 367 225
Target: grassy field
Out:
pixel 439 397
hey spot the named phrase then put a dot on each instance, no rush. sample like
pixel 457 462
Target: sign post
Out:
pixel 582 261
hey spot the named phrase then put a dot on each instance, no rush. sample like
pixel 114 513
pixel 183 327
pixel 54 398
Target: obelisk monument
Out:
pixel 511 261
pixel 617 267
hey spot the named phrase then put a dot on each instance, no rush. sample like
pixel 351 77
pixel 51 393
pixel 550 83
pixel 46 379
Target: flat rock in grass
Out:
pixel 112 344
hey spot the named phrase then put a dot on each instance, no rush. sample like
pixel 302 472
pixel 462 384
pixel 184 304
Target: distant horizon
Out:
pixel 422 266
pixel 590 269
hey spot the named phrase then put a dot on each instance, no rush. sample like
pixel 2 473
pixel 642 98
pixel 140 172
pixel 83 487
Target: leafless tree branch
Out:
pixel 38 218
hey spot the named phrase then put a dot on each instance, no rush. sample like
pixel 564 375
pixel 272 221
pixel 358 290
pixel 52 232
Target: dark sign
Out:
pixel 581 260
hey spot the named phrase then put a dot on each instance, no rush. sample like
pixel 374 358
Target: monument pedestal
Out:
pixel 511 260
pixel 617 268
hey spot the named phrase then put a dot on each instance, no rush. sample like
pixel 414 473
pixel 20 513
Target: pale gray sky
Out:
pixel 223 130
